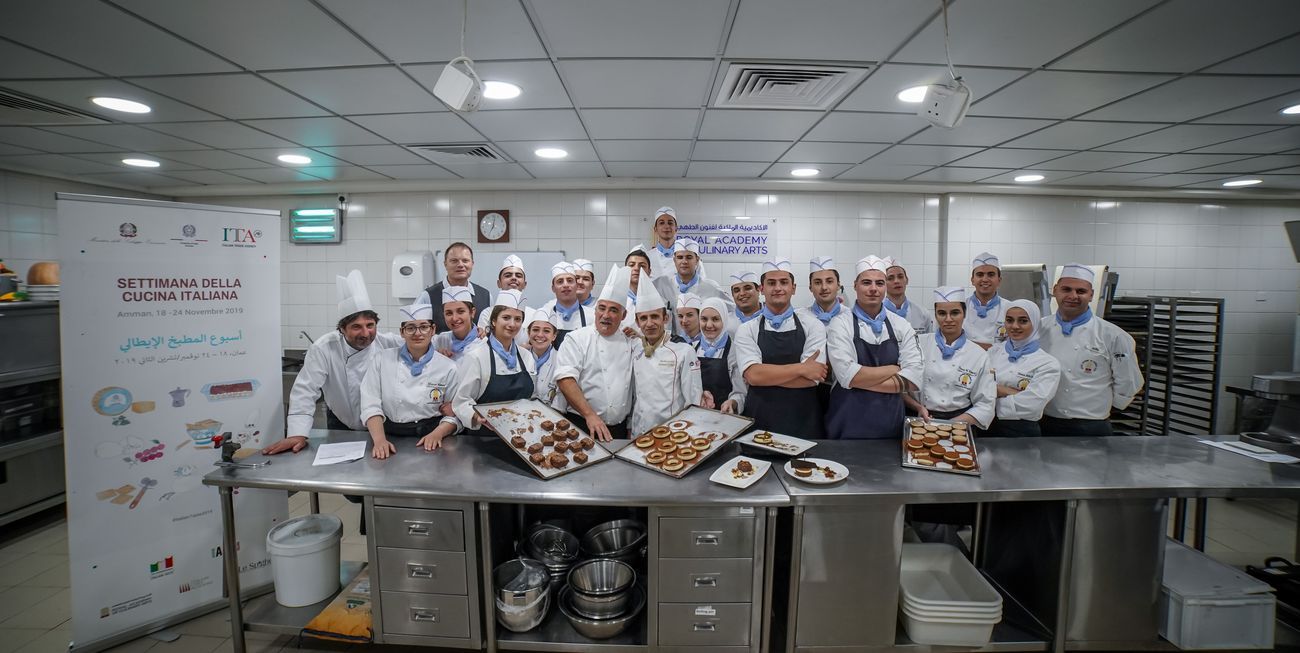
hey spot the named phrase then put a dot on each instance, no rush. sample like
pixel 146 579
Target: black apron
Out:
pixel 482 302
pixel 503 387
pixel 559 333
pixel 1062 427
pixel 857 414
pixel 789 411
pixel 1013 428
pixel 715 375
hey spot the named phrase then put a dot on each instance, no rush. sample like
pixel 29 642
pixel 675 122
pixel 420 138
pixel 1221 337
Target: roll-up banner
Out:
pixel 170 322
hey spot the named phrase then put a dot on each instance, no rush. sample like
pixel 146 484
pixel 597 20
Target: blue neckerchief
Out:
pixel 825 316
pixel 591 299
pixel 949 352
pixel 1067 327
pixel 877 325
pixel 567 313
pixel 982 310
pixel 900 311
pixel 708 350
pixel 541 360
pixel 416 366
pixel 693 340
pixel 1015 353
pixel 745 318
pixel 458 346
pixel 631 297
pixel 686 287
pixel 777 319
pixel 510 356
pixel 667 252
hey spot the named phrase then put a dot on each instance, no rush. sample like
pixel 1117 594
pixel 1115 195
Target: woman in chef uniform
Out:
pixel 541 341
pixel 501 371
pixel 405 387
pixel 1027 377
pixel 957 383
pixel 718 368
pixel 664 234
pixel 458 312
pixel 688 318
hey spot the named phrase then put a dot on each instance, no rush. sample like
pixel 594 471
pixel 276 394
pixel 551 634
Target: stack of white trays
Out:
pixel 943 599
pixel 43 293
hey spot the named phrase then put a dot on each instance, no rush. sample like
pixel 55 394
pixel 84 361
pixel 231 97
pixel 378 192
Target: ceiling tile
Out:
pixel 1271 183
pixel 208 177
pixel 828 170
pixel 866 127
pixel 836 30
pixel 522 151
pixel 57 163
pixel 273 175
pixel 645 169
pixel 1103 179
pixel 221 135
pixel 77 94
pixel 739 150
pixel 922 154
pixel 978 131
pixel 880 90
pixel 872 171
pixel 265 156
pixel 1025 33
pixel 743 124
pixel 429 30
pixel 1274 163
pixel 641 150
pixel 91 34
pixel 342 173
pixel 525 125
pixel 958 175
pixel 490 171
pixel 413 172
pixel 114 160
pixel 1264 112
pixel 725 169
pixel 1194 97
pixel 413 128
pixel 1083 135
pixel 260 35
pixel 1169 181
pixel 142 179
pixel 1006 157
pixel 1050 177
pixel 569 169
pixel 314 132
pixel 128 137
pixel 382 89
pixel 1280 181
pixel 1186 35
pixel 540 86
pixel 210 159
pixel 820 152
pixel 39 139
pixel 1056 94
pixel 1266 143
pixel 7 150
pixel 641 123
pixel 372 155
pixel 1281 58
pixel 622 83
pixel 1184 137
pixel 1094 161
pixel 233 96
pixel 632 28
pixel 18 62
pixel 1178 163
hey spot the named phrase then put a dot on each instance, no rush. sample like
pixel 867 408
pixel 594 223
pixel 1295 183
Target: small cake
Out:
pixel 580 458
pixel 915 444
pixel 563 424
pixel 645 442
pixel 561 446
pixel 666 447
pixel 943 465
pixel 763 438
pixel 930 440
pixel 699 444
pixel 802 468
pixel 965 463
pixel 536 458
pixel 519 442
pixel 744 466
pixel 945 428
pixel 547 440
pixel 679 437
pixel 547 425
pixel 951 456
pixel 938 450
pixel 679 424
pixel 686 454
pixel 559 460
pixel 573 433
pixel 588 443
pixel 918 455
pixel 959 439
pixel 925 461
pixel 660 432
pixel 673 464
pixel 917 436
pixel 961 448
pixel 656 457
pixel 536 447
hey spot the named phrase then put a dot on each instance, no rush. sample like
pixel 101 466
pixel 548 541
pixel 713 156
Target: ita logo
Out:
pixel 240 235
pixel 161 568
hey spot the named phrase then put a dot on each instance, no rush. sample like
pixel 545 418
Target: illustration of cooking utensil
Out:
pixel 145 484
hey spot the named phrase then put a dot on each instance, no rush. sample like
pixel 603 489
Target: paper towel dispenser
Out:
pixel 412 273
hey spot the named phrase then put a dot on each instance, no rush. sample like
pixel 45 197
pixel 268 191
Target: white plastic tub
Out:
pixel 943 599
pixel 1205 604
pixel 305 559
pixel 947 633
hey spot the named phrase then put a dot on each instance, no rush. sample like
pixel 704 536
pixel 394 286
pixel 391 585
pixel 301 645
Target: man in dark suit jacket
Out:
pixel 458 261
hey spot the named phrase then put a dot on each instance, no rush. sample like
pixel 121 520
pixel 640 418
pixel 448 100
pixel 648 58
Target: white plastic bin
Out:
pixel 943 599
pixel 305 559
pixel 1205 604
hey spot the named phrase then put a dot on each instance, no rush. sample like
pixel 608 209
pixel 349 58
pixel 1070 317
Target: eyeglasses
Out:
pixel 412 329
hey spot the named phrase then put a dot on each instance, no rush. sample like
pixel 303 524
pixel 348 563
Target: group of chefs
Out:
pixel 660 335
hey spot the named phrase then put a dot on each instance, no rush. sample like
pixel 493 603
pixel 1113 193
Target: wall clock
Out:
pixel 493 226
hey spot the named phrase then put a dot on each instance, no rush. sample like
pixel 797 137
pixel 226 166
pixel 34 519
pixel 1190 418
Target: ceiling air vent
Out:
pixel 459 152
pixel 18 109
pixel 769 86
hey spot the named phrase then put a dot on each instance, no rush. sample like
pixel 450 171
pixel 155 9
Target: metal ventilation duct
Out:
pixel 459 152
pixel 17 109
pixel 769 86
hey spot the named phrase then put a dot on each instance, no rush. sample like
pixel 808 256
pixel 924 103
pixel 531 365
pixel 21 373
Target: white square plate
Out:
pixel 786 445
pixel 723 475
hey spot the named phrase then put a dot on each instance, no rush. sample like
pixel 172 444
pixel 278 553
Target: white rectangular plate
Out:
pixel 786 445
pixel 724 475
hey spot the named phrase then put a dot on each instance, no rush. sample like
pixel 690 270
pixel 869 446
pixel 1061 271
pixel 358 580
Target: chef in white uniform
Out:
pixel 957 383
pixel 824 281
pixel 501 371
pixel 719 371
pixel 745 296
pixel 666 374
pixel 541 341
pixel 335 365
pixel 688 275
pixel 984 306
pixel 639 262
pixel 688 318
pixel 458 314
pixel 594 370
pixel 1099 367
pixel 896 300
pixel 566 308
pixel 585 272
pixel 404 389
pixel 663 234
pixel 1027 376
pixel 510 276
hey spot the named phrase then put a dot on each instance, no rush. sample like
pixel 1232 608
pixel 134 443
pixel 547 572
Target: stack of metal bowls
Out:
pixel 602 597
pixel 621 539
pixel 522 593
pixel 554 547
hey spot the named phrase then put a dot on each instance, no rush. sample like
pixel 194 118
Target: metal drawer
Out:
pixel 693 580
pixel 428 615
pixel 689 537
pixel 414 528
pixel 698 624
pixel 415 570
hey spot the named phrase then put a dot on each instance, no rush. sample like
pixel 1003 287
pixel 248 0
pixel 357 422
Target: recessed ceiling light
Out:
pixel 1242 182
pixel 119 104
pixel 141 163
pixel 500 91
pixel 742 217
pixel 805 172
pixel 1027 178
pixel 296 159
pixel 550 153
pixel 913 95
pixel 1104 205
pixel 1292 110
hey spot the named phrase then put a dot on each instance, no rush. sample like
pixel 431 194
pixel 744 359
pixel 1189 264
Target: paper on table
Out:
pixel 339 452
pixel 1252 451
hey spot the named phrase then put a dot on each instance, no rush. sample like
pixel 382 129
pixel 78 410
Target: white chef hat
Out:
pixel 666 210
pixel 986 258
pixel 638 248
pixel 1078 271
pixel 617 285
pixel 690 300
pixel 950 294
pixel 457 294
pixel 353 296
pixel 648 298
pixel 561 268
pixel 820 263
pixel 686 245
pixel 891 262
pixel 417 312
pixel 583 265
pixel 745 276
pixel 870 262
pixel 510 298
pixel 778 264
pixel 1031 309
pixel 512 261
pixel 538 315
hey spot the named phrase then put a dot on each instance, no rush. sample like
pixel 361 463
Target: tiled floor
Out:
pixel 34 602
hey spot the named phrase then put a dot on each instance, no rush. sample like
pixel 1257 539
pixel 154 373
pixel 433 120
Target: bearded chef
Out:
pixel 666 373
pixel 566 308
pixel 957 383
pixel 984 310
pixel 594 370
pixel 1099 367
pixel 335 364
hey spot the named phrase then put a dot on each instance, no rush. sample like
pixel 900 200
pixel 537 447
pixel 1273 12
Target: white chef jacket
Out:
pixel 476 373
pixel 603 369
pixel 1099 368
pixel 961 381
pixel 987 330
pixel 545 388
pixel 745 342
pixel 660 265
pixel 442 341
pixel 805 314
pixel 574 323
pixel 390 391
pixel 738 386
pixel 920 318
pixel 844 355
pixel 484 320
pixel 665 383
pixel 1036 375
pixel 332 366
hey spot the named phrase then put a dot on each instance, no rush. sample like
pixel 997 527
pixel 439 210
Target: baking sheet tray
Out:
pixel 511 418
pixel 909 460
pixel 697 422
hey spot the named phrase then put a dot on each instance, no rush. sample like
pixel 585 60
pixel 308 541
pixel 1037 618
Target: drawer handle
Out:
pixel 420 528
pixel 710 538
pixel 424 614
pixel 420 571
pixel 705 628
pixel 704 581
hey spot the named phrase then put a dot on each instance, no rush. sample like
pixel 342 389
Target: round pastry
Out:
pixel 588 443
pixel 925 461
pixel 679 424
pixel 947 444
pixel 917 436
pixel 918 432
pixel 943 465
pixel 580 458
pixel 959 439
pixel 679 437
pixel 763 437
pixel 951 456
pixel 932 428
pixel 666 447
pixel 965 463
pixel 537 458
pixel 686 453
pixel 656 457
pixel 960 426
pixel 519 442
pixel 673 464
pixel 803 472
pixel 939 450
pixel 915 444
pixel 645 442
pixel 536 447
pixel 930 440
pixel 660 432
pixel 943 427
pixel 561 446
pixel 559 460
pixel 961 448
pixel 700 444
pixel 921 455
pixel 547 425
pixel 547 440
pixel 563 424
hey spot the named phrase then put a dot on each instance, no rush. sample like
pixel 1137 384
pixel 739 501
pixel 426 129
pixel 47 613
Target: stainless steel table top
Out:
pixel 470 468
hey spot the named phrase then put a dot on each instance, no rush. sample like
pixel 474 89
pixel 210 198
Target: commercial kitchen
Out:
pixel 616 326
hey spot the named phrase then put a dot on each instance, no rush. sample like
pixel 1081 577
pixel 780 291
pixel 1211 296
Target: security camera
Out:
pixel 459 86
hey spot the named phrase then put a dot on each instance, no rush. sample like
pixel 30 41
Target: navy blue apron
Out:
pixel 503 387
pixel 790 411
pixel 715 375
pixel 559 333
pixel 857 414
pixel 1013 428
